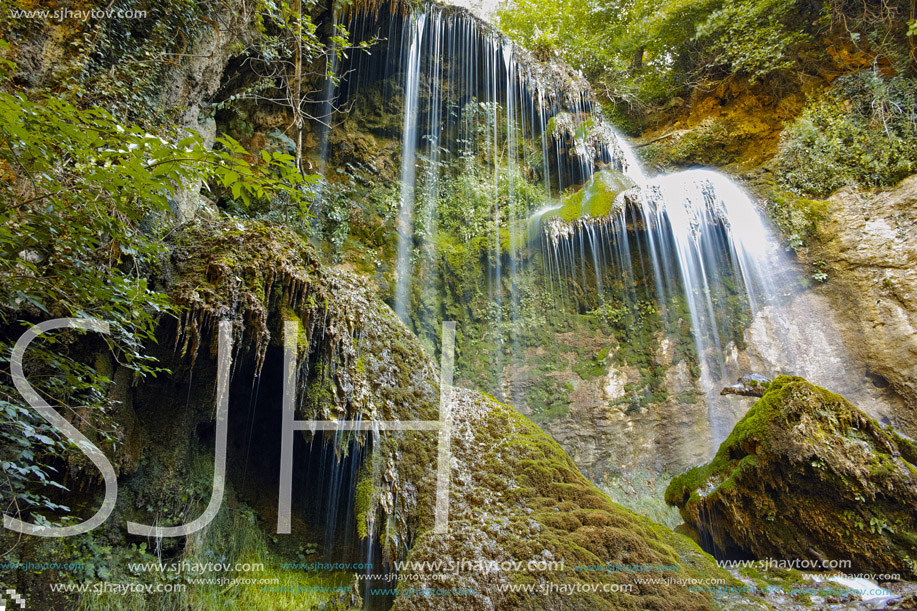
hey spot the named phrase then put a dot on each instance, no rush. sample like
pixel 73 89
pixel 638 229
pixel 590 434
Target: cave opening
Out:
pixel 326 467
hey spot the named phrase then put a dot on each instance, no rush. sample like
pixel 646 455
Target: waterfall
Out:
pixel 414 32
pixel 566 206
pixel 466 93
pixel 704 222
pixel 708 244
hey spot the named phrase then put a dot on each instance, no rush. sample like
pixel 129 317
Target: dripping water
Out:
pixel 692 243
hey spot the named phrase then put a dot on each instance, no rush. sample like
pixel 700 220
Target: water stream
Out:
pixel 691 246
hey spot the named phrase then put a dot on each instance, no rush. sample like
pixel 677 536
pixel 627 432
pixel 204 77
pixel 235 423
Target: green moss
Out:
pixel 367 494
pixel 797 459
pixel 757 419
pixel 595 367
pixel 552 412
pixel 365 503
pixel 594 200
pixel 728 460
pixel 302 337
pixel 320 394
pixel 796 217
pixel 907 447
pixel 576 521
pixel 715 141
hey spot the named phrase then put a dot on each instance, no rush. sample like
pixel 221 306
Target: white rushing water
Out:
pixel 695 237
pixel 414 33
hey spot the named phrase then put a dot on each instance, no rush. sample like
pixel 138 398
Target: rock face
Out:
pixel 806 475
pixel 869 247
pixel 608 436
pixel 517 497
pixel 825 346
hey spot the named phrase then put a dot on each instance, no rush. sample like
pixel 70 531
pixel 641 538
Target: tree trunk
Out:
pixel 637 64
pixel 297 93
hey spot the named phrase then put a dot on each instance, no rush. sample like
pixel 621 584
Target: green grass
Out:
pixel 233 537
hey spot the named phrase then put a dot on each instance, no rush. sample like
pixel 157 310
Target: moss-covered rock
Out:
pixel 364 362
pixel 593 204
pixel 517 497
pixel 807 475
pixel 595 200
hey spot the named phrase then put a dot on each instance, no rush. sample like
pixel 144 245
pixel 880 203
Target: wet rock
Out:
pixel 594 204
pixel 870 251
pixel 825 346
pixel 806 475
pixel 908 601
pixel 752 385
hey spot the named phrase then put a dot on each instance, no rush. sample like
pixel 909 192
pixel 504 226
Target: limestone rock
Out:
pixel 806 475
pixel 870 250
pixel 752 385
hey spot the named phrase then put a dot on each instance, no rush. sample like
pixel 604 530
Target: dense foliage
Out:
pixel 85 204
pixel 639 53
pixel 862 132
pixel 115 63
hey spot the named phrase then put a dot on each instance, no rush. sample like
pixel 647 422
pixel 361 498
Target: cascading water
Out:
pixel 708 244
pixel 704 222
pixel 467 92
pixel 414 35
pixel 551 197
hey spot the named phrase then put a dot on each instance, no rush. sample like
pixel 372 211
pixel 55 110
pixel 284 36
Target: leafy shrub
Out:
pixel 753 38
pixel 642 52
pixel 83 208
pixel 862 132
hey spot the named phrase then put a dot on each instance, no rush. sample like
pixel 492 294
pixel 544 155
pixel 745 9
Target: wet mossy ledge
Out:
pixel 356 359
pixel 515 495
pixel 807 475
pixel 595 201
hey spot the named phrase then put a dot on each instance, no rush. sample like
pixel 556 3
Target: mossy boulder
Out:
pixel 806 475
pixel 595 200
pixel 516 497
